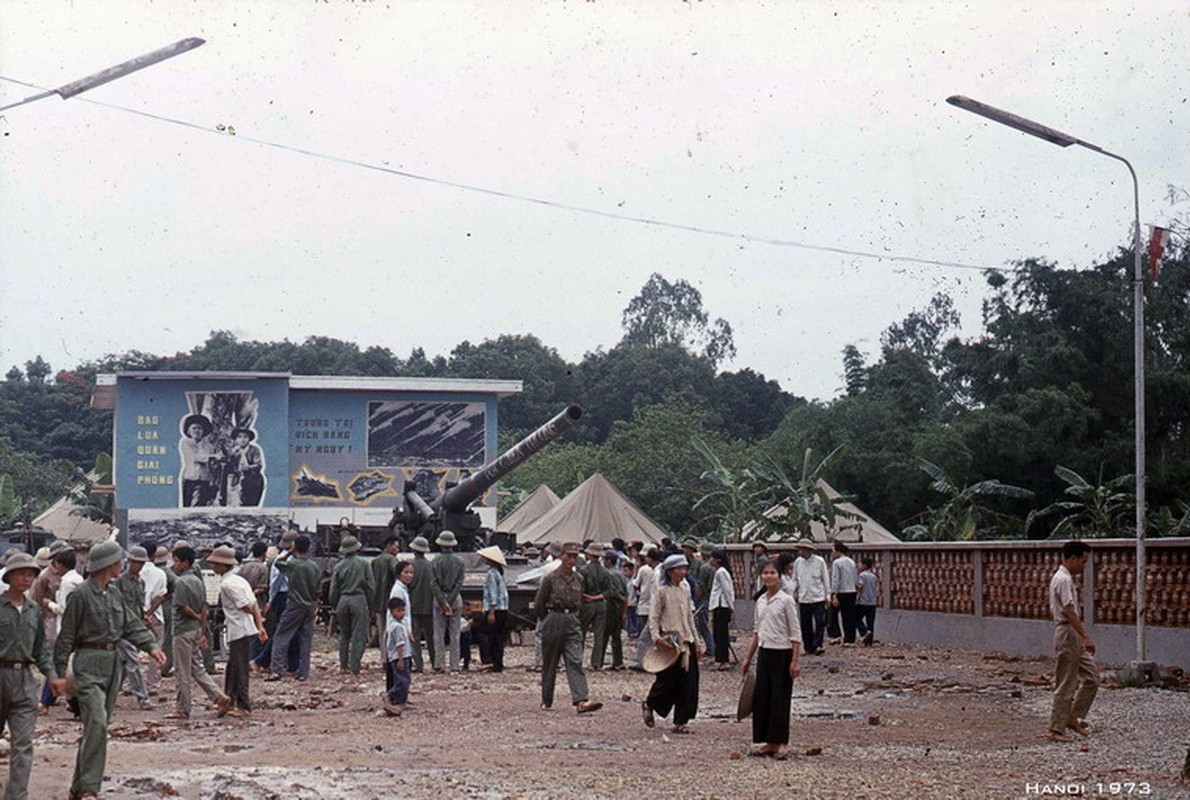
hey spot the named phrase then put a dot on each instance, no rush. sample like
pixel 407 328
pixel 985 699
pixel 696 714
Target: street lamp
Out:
pixel 69 90
pixel 1138 326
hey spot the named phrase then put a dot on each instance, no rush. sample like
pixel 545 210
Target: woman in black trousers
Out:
pixel 778 639
pixel 722 604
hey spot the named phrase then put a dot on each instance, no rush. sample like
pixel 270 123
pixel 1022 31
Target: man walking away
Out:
pixel 1076 678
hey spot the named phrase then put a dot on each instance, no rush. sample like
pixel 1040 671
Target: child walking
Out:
pixel 396 646
pixel 865 602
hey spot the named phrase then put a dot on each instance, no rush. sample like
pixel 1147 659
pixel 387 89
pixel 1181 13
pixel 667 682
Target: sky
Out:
pixel 419 174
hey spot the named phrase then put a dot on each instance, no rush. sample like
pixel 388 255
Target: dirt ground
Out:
pixel 888 721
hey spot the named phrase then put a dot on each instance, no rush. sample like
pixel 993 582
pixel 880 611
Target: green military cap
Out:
pixel 419 545
pixel 138 553
pixel 706 548
pixel 349 545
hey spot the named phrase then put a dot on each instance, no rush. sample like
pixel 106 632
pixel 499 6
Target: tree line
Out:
pixel 1024 430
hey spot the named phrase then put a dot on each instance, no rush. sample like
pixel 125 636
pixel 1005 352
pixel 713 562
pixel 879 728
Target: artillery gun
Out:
pixel 452 510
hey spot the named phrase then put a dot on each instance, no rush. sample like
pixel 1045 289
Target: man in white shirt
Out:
pixel 812 587
pixel 244 621
pixel 71 580
pixel 156 587
pixel 843 588
pixel 1076 678
pixel 646 587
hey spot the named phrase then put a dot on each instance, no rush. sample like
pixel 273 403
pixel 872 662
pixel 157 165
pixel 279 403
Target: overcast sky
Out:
pixel 771 125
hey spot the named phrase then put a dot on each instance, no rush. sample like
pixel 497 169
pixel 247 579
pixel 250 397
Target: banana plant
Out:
pixel 963 516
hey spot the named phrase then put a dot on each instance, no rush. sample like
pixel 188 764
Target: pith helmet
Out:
pixel 349 545
pixel 104 555
pixel 420 545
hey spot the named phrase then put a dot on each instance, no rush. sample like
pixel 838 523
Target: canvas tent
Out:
pixel 71 527
pixel 856 528
pixel 531 509
pixel 594 510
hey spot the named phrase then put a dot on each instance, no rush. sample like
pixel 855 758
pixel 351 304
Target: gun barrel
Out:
pixel 459 497
pixel 421 506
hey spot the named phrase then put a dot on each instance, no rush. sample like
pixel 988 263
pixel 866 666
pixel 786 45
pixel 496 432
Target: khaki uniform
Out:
pixel 1076 678
pixel 556 603
pixel 22 643
pixel 93 622
pixel 352 586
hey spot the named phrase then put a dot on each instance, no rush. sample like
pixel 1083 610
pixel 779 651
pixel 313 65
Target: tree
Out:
pixel 964 516
pixel 731 496
pixel 804 499
pixel 1094 510
pixel 854 371
pixel 672 313
pixel 92 502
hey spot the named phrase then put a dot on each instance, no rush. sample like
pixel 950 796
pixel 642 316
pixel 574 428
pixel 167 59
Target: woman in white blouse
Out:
pixel 778 639
pixel 671 622
pixel 721 605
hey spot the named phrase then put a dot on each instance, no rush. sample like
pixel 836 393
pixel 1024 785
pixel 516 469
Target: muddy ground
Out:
pixel 888 721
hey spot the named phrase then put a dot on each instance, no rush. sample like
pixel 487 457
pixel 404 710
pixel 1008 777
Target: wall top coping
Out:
pixel 1031 544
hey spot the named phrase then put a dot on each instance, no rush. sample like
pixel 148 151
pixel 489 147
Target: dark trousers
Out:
pixel 264 659
pixel 297 624
pixel 613 629
pixel 423 628
pixel 813 619
pixel 702 624
pixel 865 621
pixel 720 622
pixel 399 681
pixel 494 633
pixel 847 615
pixel 832 622
pixel 771 697
pixel 235 675
pixel 677 689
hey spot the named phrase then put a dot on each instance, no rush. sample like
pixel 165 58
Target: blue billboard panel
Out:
pixel 201 443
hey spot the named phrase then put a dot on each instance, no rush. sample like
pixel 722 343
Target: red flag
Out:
pixel 1158 239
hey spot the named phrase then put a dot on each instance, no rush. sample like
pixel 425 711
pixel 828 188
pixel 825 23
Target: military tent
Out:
pixel 852 525
pixel 594 510
pixel 541 500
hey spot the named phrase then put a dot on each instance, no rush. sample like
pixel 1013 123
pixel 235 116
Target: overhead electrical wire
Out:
pixel 614 215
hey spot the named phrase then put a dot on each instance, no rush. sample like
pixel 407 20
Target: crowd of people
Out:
pixel 674 601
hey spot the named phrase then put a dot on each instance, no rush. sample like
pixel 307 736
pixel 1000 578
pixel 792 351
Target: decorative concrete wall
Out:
pixel 993 595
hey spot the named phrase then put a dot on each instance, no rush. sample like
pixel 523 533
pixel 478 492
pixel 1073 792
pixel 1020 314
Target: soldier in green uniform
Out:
pixel 22 643
pixel 593 614
pixel 421 597
pixel 384 575
pixel 95 619
pixel 305 585
pixel 556 603
pixel 351 586
pixel 132 588
pixel 446 578
pixel 616 596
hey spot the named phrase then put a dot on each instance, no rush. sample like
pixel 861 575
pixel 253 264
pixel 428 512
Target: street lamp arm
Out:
pixel 69 90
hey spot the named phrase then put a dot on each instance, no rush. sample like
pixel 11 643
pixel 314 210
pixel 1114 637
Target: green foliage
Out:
pixel 667 313
pixel 92 504
pixel 964 516
pixel 33 481
pixel 1104 509
pixel 734 497
pixel 804 499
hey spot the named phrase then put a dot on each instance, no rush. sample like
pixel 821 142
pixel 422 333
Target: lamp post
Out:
pixel 1138 325
pixel 69 90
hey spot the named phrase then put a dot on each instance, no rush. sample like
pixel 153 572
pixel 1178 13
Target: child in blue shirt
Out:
pixel 396 651
pixel 865 601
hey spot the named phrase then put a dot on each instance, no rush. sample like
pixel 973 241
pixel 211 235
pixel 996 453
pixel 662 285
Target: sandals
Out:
pixel 647 714
pixel 587 706
pixel 680 729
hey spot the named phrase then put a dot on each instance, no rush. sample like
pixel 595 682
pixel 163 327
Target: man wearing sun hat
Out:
pixel 421 598
pixel 95 619
pixel 446 577
pixel 557 603
pixel 593 614
pixel 22 644
pixel 245 624
pixel 351 586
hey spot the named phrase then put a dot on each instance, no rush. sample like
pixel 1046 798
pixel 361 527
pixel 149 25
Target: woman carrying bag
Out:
pixel 671 623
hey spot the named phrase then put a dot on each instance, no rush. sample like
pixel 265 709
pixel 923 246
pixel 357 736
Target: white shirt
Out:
pixel 843 574
pixel 402 591
pixel 811 580
pixel 722 590
pixel 234 594
pixel 1062 594
pixel 776 622
pixel 646 585
pixel 153 577
pixel 71 580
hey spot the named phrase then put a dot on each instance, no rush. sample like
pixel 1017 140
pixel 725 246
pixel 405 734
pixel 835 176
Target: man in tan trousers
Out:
pixel 1076 678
